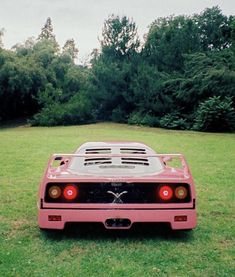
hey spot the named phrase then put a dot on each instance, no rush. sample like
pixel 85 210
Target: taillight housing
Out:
pixel 173 193
pixel 62 193
pixel 135 193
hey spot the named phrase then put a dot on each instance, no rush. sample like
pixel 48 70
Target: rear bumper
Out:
pixel 102 215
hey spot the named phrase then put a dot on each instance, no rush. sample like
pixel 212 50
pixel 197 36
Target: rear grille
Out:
pixel 94 161
pixel 98 151
pixel 131 161
pixel 121 193
pixel 139 161
pixel 132 151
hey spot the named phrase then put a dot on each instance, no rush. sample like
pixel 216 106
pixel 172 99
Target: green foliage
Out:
pixel 48 35
pixel 184 61
pixel 1 36
pixel 77 110
pixel 49 95
pixel 146 91
pixel 214 29
pixel 120 38
pixel 140 118
pixel 70 49
pixel 66 104
pixel 168 39
pixel 118 115
pixel 205 75
pixel 109 82
pixel 35 79
pixel 215 114
pixel 174 121
pixel 20 81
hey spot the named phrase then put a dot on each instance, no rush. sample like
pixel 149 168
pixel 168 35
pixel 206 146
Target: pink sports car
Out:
pixel 118 184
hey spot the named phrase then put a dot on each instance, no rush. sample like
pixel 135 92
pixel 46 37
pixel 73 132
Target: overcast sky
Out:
pixel 83 19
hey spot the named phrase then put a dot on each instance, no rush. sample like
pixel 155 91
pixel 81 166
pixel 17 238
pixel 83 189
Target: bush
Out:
pixel 118 115
pixel 49 116
pixel 215 114
pixel 139 118
pixel 77 111
pixel 174 121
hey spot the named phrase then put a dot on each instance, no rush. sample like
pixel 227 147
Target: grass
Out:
pixel 209 250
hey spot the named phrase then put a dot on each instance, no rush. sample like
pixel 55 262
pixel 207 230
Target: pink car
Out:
pixel 118 184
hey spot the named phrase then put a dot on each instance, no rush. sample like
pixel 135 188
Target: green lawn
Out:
pixel 209 250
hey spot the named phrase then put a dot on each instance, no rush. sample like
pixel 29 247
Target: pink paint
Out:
pixel 118 184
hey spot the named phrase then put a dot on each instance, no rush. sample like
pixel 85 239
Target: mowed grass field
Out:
pixel 209 250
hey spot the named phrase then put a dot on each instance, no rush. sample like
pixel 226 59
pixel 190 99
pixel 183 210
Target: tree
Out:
pixel 112 67
pixel 120 37
pixel 214 29
pixel 70 49
pixel 47 31
pixel 26 48
pixel 146 90
pixel 47 34
pixel 232 26
pixel 20 80
pixel 206 75
pixel 106 87
pixel 168 40
pixel 1 36
pixel 183 76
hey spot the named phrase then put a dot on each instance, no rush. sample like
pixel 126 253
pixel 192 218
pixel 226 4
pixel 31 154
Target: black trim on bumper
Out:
pixel 50 208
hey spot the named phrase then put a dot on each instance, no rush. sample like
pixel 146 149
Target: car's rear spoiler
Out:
pixel 164 157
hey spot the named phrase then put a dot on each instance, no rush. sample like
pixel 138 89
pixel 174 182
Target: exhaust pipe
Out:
pixel 118 223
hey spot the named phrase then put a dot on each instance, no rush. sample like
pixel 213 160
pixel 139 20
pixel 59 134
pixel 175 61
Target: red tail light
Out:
pixel 70 192
pixel 165 192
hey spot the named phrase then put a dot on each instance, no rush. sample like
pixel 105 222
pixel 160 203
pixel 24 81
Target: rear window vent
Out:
pixel 132 151
pixel 135 161
pixel 98 151
pixel 95 161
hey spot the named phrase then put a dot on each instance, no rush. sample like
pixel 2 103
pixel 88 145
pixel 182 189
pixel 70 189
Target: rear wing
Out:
pixel 65 158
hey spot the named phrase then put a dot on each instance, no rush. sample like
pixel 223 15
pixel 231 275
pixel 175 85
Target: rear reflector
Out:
pixel 180 218
pixel 54 217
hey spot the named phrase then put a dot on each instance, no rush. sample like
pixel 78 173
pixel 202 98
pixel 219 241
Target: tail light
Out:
pixel 54 192
pixel 181 192
pixel 165 192
pixel 174 193
pixel 61 193
pixel 70 192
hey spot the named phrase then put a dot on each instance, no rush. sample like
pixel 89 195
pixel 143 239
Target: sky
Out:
pixel 82 20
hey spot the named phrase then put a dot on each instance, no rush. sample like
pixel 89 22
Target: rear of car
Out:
pixel 118 184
